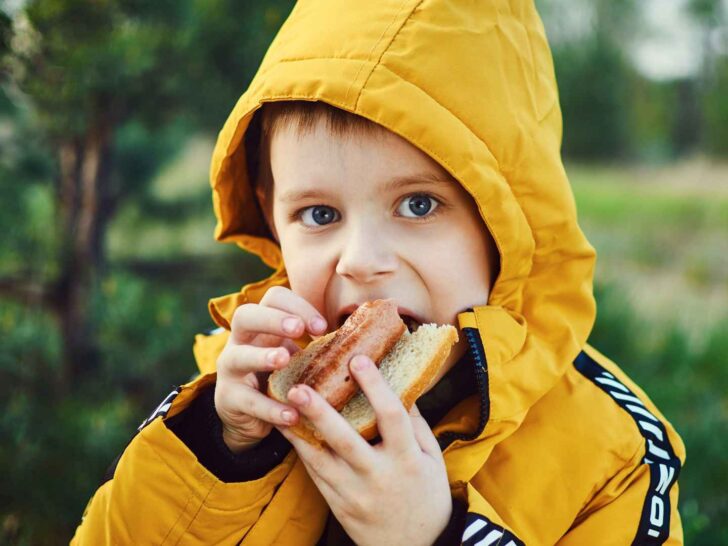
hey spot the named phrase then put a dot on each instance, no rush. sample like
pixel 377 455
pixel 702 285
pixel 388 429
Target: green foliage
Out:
pixel 609 204
pixel 652 107
pixel 716 110
pixel 55 451
pixel 592 76
pixel 110 58
pixel 6 26
pixel 706 11
pixel 26 216
pixel 124 59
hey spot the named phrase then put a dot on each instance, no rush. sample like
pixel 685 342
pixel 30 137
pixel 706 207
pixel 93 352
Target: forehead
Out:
pixel 319 158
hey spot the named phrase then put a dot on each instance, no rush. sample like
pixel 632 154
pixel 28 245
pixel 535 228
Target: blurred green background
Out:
pixel 108 114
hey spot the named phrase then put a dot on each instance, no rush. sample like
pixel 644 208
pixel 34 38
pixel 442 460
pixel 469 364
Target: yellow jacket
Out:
pixel 559 446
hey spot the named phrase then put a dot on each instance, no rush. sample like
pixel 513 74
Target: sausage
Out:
pixel 373 329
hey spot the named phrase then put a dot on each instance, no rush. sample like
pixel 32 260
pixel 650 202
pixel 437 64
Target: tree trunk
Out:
pixel 83 202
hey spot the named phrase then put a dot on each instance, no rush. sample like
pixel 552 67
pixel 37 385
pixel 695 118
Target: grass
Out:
pixel 660 237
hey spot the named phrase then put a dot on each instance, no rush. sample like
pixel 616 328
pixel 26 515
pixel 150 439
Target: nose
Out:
pixel 366 254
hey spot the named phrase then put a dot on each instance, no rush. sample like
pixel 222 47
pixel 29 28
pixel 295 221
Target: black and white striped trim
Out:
pixel 479 531
pixel 654 526
pixel 161 409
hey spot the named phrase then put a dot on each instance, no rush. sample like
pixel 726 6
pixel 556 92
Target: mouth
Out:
pixel 411 323
pixel 410 320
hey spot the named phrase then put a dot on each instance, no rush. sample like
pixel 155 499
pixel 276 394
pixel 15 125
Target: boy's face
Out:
pixel 364 217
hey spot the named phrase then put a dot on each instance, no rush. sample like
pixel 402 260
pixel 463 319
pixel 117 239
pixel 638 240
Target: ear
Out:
pixel 266 210
pixel 494 260
pixel 272 228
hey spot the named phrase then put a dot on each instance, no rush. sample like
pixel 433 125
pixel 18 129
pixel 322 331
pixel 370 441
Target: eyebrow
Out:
pixel 398 182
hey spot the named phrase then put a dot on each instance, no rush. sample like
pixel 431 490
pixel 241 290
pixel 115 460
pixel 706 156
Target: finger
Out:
pixel 270 340
pixel 244 359
pixel 318 460
pixel 241 400
pixel 326 487
pixel 292 347
pixel 343 439
pixel 423 433
pixel 250 319
pixel 393 423
pixel 284 299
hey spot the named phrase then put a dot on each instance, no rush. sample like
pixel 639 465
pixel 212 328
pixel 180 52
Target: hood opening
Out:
pixel 491 119
pixel 253 153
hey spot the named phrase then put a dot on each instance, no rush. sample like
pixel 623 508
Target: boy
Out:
pixel 406 150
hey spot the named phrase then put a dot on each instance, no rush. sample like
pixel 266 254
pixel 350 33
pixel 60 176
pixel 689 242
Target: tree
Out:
pixel 589 43
pixel 90 69
pixel 712 83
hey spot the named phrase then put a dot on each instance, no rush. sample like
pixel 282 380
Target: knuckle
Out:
pixel 314 411
pixel 250 405
pixel 252 355
pixel 320 465
pixel 234 359
pixel 358 508
pixel 390 412
pixel 347 446
pixel 240 314
pixel 221 396
pixel 379 484
pixel 223 361
pixel 252 428
pixel 275 293
pixel 274 414
pixel 411 465
pixel 316 467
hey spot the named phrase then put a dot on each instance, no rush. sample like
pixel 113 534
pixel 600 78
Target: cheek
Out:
pixel 454 267
pixel 308 271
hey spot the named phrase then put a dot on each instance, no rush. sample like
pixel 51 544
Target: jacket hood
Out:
pixel 471 84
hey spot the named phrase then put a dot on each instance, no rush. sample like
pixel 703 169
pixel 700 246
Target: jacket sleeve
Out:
pixel 633 517
pixel 200 428
pixel 483 526
pixel 159 490
pixel 644 511
pixel 636 505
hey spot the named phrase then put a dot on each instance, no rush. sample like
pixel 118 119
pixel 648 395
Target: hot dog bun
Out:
pixel 409 368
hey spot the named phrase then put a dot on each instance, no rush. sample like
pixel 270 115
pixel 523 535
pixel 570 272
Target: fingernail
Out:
pixel 288 416
pixel 360 363
pixel 273 357
pixel 290 325
pixel 299 396
pixel 318 324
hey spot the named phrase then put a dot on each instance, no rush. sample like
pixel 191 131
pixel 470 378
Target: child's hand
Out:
pixel 395 492
pixel 260 342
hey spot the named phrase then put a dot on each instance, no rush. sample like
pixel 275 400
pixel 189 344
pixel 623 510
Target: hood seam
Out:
pixel 379 60
pixel 454 114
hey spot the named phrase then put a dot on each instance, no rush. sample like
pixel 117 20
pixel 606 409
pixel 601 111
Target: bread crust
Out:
pixel 410 396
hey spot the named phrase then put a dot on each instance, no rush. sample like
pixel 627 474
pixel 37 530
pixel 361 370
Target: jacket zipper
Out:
pixel 480 368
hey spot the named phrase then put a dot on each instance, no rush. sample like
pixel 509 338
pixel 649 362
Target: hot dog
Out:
pixel 407 361
pixel 372 329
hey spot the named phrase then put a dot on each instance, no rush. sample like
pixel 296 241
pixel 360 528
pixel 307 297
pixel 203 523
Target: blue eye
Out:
pixel 318 216
pixel 417 206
